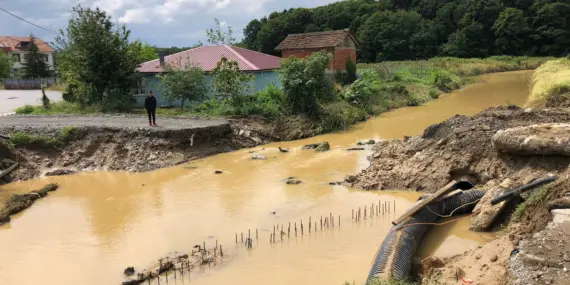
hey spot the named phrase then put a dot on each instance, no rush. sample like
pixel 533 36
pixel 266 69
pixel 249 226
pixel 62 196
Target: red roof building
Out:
pixel 341 44
pixel 207 57
pixel 16 48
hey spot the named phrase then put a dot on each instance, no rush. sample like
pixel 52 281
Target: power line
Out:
pixel 18 17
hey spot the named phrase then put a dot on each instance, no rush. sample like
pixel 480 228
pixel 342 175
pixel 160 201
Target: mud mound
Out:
pixel 20 202
pixel 460 148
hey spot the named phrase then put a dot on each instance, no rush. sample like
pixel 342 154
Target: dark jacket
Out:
pixel 150 103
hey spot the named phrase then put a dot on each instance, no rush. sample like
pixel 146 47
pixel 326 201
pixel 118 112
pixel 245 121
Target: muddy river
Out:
pixel 98 223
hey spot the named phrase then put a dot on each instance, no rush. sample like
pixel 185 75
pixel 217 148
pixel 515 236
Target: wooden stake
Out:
pixel 310 224
pixel 289 230
pixel 353 214
pixel 248 233
pixel 216 245
pixel 301 227
pixel 236 237
pixel 221 251
pixel 339 221
pixel 295 229
pixel 332 221
pixel 315 226
pixel 256 234
pixel 365 212
pixel 273 233
pixel 242 237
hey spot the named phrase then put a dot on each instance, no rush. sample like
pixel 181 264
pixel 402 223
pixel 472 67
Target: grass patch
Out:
pixel 64 136
pixel 537 198
pixel 550 85
pixel 57 108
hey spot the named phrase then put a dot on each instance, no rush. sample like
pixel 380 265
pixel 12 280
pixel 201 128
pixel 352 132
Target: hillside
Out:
pixel 405 29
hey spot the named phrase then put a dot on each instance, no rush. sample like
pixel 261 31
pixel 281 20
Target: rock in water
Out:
pixel 323 147
pixel 258 156
pixel 355 148
pixel 311 146
pixel 540 139
pixel 61 171
pixel 129 271
pixel 284 150
pixel 293 181
pixel 371 142
pixel 218 172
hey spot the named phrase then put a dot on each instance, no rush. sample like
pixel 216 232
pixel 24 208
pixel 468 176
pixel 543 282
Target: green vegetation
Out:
pixel 97 58
pixel 35 66
pixel 5 67
pixel 56 108
pixel 537 198
pixel 182 82
pixel 403 30
pixel 23 139
pixel 550 84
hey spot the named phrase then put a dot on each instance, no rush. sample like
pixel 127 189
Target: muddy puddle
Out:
pixel 97 224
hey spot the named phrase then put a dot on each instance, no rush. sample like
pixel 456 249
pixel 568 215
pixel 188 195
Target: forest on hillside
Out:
pixel 417 29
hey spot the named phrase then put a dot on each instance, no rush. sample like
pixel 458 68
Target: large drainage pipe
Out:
pixel 394 259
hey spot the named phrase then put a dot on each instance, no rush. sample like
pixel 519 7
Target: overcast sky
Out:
pixel 163 23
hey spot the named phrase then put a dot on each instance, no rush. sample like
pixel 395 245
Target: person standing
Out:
pixel 150 106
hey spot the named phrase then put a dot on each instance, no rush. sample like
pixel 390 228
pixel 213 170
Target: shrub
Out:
pixel 26 109
pixel 69 95
pixel 305 84
pixel 20 138
pixel 340 115
pixel 445 80
pixel 433 93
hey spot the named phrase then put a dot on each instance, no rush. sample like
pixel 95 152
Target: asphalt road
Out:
pixel 118 121
pixel 12 99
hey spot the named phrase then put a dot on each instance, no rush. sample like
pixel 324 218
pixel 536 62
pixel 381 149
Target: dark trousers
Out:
pixel 151 114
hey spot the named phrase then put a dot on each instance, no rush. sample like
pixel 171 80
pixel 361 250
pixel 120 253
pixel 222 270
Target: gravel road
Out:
pixel 117 121
pixel 12 99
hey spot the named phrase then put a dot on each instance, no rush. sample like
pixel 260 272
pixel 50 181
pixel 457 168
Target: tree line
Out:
pixel 418 29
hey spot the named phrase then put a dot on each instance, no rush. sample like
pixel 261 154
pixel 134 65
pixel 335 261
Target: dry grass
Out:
pixel 550 82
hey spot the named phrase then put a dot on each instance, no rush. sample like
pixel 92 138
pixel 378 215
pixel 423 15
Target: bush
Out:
pixel 445 80
pixel 339 116
pixel 433 94
pixel 20 138
pixel 69 95
pixel 27 109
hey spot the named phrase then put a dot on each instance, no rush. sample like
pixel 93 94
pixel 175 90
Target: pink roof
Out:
pixel 207 57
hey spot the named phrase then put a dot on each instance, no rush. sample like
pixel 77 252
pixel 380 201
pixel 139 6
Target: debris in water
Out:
pixel 293 181
pixel 218 172
pixel 371 142
pixel 129 271
pixel 355 148
pixel 20 202
pixel 258 156
pixel 324 146
pixel 60 172
pixel 284 150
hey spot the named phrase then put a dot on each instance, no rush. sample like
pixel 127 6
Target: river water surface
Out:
pixel 98 223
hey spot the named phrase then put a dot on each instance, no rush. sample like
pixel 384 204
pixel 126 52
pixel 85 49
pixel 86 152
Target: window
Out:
pixel 45 58
pixel 141 86
pixel 16 57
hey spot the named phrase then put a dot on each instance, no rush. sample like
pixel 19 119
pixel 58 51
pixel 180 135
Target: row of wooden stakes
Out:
pixel 379 209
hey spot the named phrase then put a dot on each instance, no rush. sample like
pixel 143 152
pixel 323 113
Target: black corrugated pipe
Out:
pixel 394 259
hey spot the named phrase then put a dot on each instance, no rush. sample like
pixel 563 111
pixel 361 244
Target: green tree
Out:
pixel 552 26
pixel 218 36
pixel 35 65
pixel 98 58
pixel 467 41
pixel 250 34
pixel 148 52
pixel 386 35
pixel 511 32
pixel 229 82
pixel 5 65
pixel 183 82
pixel 305 84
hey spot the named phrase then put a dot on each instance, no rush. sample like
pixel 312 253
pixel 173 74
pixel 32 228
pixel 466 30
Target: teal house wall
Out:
pixel 261 79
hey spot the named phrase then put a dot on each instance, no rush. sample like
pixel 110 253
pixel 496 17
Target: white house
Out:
pixel 16 47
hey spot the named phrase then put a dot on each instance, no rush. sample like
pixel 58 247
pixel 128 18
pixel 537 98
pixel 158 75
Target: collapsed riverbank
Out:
pixel 59 145
pixel 498 149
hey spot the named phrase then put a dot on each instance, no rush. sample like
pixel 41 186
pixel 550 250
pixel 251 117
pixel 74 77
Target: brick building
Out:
pixel 341 44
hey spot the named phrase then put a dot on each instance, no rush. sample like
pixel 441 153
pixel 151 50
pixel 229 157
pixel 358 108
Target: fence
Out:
pixel 33 83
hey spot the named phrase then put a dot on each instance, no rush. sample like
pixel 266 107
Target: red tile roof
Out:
pixel 315 40
pixel 207 57
pixel 13 43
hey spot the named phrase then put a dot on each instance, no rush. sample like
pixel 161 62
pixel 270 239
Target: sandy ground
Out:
pixel 12 99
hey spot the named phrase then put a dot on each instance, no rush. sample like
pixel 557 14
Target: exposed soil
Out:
pixel 532 249
pixel 460 147
pixel 120 148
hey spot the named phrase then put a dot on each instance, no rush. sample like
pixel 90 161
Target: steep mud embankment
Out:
pixel 40 150
pixel 498 149
pixel 460 147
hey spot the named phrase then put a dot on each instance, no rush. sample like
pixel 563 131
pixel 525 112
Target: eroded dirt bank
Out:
pixel 498 149
pixel 57 149
pixel 460 147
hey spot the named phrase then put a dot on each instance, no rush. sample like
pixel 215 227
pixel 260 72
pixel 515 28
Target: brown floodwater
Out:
pixel 98 223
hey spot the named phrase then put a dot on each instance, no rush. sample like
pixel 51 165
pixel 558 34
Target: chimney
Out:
pixel 161 58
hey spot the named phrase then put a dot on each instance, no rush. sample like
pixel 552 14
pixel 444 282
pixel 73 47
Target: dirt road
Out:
pixel 12 99
pixel 115 121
